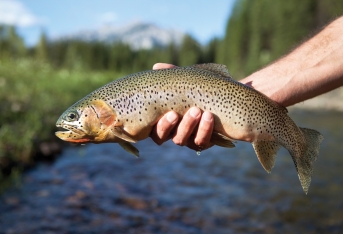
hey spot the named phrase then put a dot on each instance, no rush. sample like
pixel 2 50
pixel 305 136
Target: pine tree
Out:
pixel 120 57
pixel 41 50
pixel 16 44
pixel 260 31
pixel 172 54
pixel 4 43
pixel 210 51
pixel 71 58
pixel 190 52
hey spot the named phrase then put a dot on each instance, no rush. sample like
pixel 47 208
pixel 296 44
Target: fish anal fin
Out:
pixel 119 132
pixel 221 140
pixel 215 68
pixel 266 153
pixel 130 148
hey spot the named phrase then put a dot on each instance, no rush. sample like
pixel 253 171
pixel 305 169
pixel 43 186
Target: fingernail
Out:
pixel 194 112
pixel 172 117
pixel 156 66
pixel 207 116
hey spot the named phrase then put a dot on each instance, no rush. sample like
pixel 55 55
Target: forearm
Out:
pixel 313 68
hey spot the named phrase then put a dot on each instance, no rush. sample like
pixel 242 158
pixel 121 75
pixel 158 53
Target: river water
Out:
pixel 170 189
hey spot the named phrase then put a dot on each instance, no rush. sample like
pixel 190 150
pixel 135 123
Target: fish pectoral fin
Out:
pixel 119 132
pixel 221 140
pixel 130 148
pixel 266 153
pixel 215 68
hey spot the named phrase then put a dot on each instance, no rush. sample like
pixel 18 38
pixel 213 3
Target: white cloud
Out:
pixel 108 18
pixel 15 13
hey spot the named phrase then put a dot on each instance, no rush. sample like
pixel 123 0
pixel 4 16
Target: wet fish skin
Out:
pixel 126 110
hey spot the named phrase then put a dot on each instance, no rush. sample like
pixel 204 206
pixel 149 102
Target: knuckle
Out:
pixel 179 142
pixel 201 143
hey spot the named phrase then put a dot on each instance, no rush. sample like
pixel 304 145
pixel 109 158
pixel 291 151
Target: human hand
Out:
pixel 194 130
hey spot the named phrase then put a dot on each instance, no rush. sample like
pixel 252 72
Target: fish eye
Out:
pixel 72 116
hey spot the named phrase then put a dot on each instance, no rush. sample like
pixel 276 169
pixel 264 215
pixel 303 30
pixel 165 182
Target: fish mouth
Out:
pixel 72 134
pixel 71 129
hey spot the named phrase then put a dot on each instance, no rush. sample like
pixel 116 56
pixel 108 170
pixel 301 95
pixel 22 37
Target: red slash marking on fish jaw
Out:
pixel 84 140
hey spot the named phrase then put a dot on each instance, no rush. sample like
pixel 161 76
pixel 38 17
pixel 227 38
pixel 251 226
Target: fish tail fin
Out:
pixel 303 163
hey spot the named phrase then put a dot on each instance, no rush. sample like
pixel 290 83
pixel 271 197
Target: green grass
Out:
pixel 32 96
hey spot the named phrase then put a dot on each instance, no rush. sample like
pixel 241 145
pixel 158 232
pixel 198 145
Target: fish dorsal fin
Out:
pixel 215 68
pixel 266 153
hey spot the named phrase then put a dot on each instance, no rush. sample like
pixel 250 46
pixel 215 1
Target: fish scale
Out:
pixel 126 110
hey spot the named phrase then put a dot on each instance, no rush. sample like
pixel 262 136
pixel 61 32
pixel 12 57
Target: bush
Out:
pixel 32 96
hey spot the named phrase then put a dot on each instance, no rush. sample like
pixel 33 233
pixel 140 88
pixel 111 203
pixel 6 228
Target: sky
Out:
pixel 202 19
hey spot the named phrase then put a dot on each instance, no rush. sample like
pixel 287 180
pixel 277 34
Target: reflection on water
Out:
pixel 102 189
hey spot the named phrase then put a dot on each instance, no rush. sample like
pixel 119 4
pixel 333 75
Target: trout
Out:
pixel 125 111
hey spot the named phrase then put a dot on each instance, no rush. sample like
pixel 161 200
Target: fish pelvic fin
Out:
pixel 130 148
pixel 119 132
pixel 303 162
pixel 266 153
pixel 221 140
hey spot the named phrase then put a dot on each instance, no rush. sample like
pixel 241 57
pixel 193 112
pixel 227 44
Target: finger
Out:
pixel 204 132
pixel 191 144
pixel 161 130
pixel 189 121
pixel 162 66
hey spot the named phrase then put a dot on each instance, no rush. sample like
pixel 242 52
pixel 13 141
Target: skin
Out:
pixel 313 68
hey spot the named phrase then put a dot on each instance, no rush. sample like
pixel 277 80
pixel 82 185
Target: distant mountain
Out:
pixel 139 35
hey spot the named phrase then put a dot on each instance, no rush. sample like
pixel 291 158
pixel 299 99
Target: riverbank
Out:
pixel 33 94
pixel 329 101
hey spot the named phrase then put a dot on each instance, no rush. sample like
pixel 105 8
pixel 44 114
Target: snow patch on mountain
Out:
pixel 138 35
